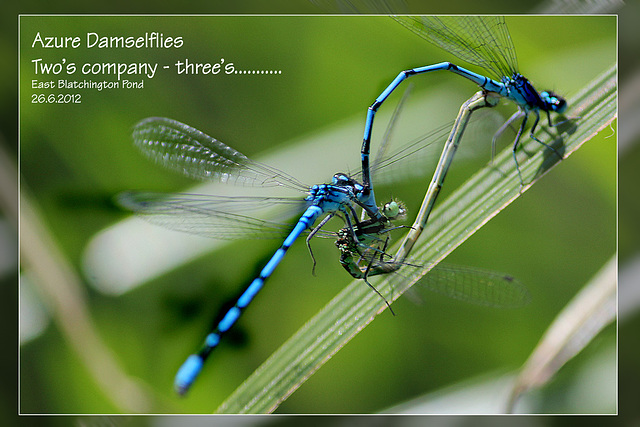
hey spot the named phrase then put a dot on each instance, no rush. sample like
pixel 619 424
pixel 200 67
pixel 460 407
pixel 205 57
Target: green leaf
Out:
pixel 477 201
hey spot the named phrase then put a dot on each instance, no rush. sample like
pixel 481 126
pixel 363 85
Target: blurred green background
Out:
pixel 75 158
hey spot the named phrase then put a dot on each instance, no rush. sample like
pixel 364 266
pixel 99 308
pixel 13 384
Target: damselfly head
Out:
pixel 342 179
pixel 394 210
pixel 553 101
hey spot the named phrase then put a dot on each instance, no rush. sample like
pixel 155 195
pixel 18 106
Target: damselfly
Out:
pixel 483 41
pixel 196 154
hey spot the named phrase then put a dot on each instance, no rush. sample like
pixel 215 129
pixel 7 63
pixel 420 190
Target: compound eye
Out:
pixel 391 209
pixel 341 179
pixel 560 105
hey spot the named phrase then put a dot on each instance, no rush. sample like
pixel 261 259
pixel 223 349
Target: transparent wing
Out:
pixel 386 139
pixel 411 159
pixel 472 285
pixel 400 161
pixel 479 40
pixel 481 287
pixel 219 217
pixel 468 284
pixel 187 150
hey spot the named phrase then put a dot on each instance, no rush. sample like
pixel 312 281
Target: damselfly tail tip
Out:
pixel 187 374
